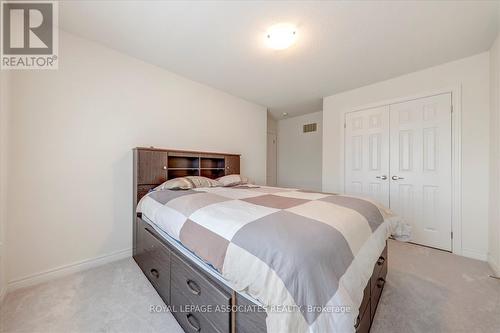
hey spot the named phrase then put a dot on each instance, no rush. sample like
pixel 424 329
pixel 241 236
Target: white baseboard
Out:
pixel 3 277
pixel 474 254
pixel 494 266
pixel 61 271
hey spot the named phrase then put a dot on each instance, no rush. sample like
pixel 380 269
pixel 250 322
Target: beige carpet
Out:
pixel 434 291
pixel 112 298
pixel 427 291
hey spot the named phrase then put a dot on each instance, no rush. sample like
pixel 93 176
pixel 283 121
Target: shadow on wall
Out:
pixel 123 196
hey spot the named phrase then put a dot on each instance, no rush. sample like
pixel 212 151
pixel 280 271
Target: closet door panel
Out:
pixel 420 184
pixel 367 154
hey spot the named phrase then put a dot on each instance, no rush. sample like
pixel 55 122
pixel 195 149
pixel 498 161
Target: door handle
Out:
pixel 384 177
pixel 396 178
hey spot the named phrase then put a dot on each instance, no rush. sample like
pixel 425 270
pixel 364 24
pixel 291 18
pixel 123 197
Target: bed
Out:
pixel 253 258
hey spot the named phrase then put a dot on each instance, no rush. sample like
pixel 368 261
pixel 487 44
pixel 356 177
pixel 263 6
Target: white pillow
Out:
pixel 180 183
pixel 199 181
pixel 232 180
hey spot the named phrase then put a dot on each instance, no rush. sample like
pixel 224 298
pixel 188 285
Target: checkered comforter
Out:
pixel 305 256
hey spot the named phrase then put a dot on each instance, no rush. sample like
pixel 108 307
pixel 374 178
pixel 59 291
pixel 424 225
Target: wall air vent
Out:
pixel 307 128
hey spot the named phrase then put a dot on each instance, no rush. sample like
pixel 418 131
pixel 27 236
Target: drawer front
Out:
pixel 377 289
pixel 190 317
pixel 195 289
pixel 249 320
pixel 154 260
pixel 378 267
pixel 363 322
pixel 140 255
pixel 366 299
pixel 159 275
pixel 154 247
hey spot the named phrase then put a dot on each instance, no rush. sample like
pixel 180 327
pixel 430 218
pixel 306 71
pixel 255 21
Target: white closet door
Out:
pixel 367 154
pixel 420 189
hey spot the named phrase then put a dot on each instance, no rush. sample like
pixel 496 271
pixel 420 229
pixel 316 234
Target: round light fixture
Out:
pixel 281 36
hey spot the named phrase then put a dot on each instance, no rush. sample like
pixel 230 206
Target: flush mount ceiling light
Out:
pixel 281 36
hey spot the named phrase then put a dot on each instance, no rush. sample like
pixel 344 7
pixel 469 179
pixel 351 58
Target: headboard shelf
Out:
pixel 182 168
pixel 186 162
pixel 212 162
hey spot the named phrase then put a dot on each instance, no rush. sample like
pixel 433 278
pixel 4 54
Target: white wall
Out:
pixel 494 225
pixel 473 75
pixel 72 134
pixel 4 119
pixel 272 156
pixel 300 154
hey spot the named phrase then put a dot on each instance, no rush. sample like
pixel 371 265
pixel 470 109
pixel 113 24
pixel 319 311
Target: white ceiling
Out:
pixel 341 45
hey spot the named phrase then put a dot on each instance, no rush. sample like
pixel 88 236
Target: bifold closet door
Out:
pixel 420 175
pixel 367 154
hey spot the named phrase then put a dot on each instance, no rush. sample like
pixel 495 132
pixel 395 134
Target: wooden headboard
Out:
pixel 153 166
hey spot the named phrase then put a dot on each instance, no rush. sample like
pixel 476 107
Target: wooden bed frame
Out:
pixel 180 281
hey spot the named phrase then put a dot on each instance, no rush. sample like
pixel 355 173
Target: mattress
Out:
pixel 305 256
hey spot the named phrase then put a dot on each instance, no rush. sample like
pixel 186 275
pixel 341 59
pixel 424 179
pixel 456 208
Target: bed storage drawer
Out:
pixel 154 259
pixel 366 299
pixel 140 255
pixel 364 322
pixel 378 267
pixel 189 287
pixel 155 247
pixel 249 317
pixel 159 275
pixel 377 289
pixel 192 317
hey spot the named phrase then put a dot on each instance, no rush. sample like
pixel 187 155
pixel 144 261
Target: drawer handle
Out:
pixel 193 322
pixel 193 287
pixel 155 273
pixel 358 321
pixel 380 261
pixel 380 282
